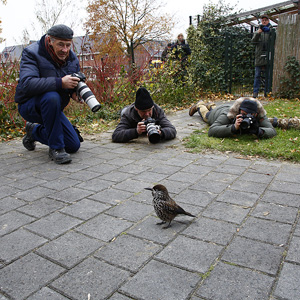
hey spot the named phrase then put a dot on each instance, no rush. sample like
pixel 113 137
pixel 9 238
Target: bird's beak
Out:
pixel 150 189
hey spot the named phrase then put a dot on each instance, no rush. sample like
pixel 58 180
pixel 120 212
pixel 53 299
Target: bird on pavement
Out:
pixel 165 207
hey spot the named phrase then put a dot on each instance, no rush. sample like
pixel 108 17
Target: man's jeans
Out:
pixel 54 129
pixel 257 79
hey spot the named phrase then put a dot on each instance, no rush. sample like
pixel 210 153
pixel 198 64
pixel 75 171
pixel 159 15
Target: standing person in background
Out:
pixel 261 40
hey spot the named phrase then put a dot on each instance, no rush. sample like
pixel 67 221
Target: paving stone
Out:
pixel 174 187
pixel 27 275
pixel 211 160
pixel 27 183
pixel 34 193
pixel 95 185
pixel 215 187
pixel 70 249
pixel 111 196
pixel 267 231
pixel 195 197
pixel 103 168
pixel 163 282
pixel 120 161
pixel 235 283
pixel 285 187
pixel 117 296
pixel 53 225
pixel 255 255
pixel 288 286
pixel 293 252
pixel 238 197
pixel 264 168
pixel 220 177
pixel 197 169
pixel 214 231
pixel 42 207
pixel 256 177
pixel 18 243
pixel 13 220
pixel 297 230
pixel 47 294
pixel 290 176
pixel 85 209
pixel 191 254
pixel 61 184
pixel 150 231
pixel 104 227
pixel 134 169
pixel 133 185
pixel 92 277
pixel 10 203
pixel 130 210
pixel 281 198
pixel 84 175
pixel 227 212
pixel 237 162
pixel 230 169
pixel 128 252
pixel 7 191
pixel 249 186
pixel 115 176
pixel 275 212
pixel 185 177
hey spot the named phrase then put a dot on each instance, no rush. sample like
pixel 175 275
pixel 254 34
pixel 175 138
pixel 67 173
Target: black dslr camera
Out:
pixel 152 130
pixel 84 92
pixel 248 121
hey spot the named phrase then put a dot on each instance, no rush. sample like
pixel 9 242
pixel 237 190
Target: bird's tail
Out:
pixel 188 214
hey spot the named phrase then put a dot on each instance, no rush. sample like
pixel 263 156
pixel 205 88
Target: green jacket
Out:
pixel 261 42
pixel 222 126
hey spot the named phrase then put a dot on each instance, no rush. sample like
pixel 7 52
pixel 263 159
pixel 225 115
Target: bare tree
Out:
pixel 1 39
pixel 134 22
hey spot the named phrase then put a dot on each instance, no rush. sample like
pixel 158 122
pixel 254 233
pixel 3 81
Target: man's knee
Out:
pixel 51 99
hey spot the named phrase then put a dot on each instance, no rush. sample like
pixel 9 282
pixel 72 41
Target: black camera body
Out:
pixel 84 92
pixel 248 121
pixel 152 130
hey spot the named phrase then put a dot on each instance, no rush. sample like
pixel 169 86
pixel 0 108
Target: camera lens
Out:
pixel 87 95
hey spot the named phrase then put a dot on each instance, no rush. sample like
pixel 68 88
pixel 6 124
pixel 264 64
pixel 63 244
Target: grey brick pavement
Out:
pixel 87 230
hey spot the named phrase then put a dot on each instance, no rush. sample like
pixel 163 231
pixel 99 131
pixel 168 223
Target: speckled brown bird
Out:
pixel 165 207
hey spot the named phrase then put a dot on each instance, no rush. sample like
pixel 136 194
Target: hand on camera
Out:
pixel 69 82
pixel 238 121
pixel 141 127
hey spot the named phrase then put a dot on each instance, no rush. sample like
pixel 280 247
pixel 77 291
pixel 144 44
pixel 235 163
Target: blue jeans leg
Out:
pixel 55 130
pixel 257 79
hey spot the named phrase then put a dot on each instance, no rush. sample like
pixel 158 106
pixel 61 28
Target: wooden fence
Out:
pixel 287 44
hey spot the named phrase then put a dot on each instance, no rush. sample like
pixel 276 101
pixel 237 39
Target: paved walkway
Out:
pixel 87 230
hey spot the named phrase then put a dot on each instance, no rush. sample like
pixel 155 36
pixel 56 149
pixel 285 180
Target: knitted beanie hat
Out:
pixel 249 106
pixel 143 99
pixel 61 31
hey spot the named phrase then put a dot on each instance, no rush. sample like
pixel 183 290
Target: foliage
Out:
pixel 219 50
pixel 286 145
pixel 132 22
pixel 290 84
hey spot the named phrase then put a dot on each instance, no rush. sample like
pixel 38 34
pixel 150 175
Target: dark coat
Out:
pixel 40 74
pixel 222 119
pixel 126 129
pixel 261 42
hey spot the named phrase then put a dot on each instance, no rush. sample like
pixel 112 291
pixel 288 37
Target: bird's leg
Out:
pixel 160 223
pixel 168 226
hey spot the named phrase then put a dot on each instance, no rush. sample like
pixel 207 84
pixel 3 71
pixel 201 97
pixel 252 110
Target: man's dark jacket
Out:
pixel 127 128
pixel 40 74
pixel 222 118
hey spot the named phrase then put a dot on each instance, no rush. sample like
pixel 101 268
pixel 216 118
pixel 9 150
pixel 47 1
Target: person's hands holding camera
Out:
pixel 69 82
pixel 238 121
pixel 141 127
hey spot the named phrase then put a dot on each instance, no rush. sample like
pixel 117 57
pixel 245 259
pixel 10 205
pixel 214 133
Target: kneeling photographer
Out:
pixel 44 89
pixel 143 117
pixel 244 116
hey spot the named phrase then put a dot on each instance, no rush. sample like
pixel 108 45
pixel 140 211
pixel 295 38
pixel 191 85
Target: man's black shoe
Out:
pixel 28 141
pixel 60 156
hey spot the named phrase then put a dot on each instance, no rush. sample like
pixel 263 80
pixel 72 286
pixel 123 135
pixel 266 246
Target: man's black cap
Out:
pixel 143 100
pixel 61 31
pixel 264 16
pixel 249 106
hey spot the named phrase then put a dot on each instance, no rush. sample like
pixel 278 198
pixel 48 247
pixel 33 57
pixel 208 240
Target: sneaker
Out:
pixel 195 107
pixel 60 156
pixel 28 141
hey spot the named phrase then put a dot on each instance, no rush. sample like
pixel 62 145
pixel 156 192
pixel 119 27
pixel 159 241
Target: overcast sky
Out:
pixel 17 15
